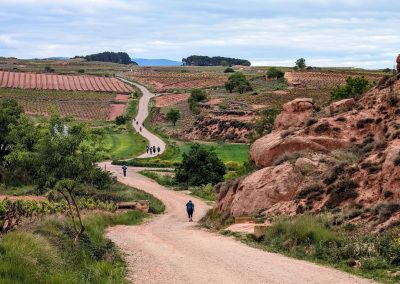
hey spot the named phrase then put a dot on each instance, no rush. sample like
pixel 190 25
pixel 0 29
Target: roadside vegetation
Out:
pixel 327 239
pixel 58 235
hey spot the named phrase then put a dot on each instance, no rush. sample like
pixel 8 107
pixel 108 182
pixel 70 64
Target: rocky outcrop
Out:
pixel 346 157
pixel 398 63
pixel 295 113
pixel 267 150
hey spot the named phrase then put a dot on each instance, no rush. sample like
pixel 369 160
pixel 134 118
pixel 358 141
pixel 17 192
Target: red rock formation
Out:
pixel 295 113
pixel 398 63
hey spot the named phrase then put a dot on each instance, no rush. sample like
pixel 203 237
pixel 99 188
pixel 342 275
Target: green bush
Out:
pixel 354 88
pixel 206 192
pixel 229 70
pixel 275 73
pixel 200 166
pixel 238 82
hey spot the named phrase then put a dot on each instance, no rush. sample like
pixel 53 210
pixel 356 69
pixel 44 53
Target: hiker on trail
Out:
pixel 190 210
pixel 137 123
pixel 140 129
pixel 124 168
pixel 151 150
pixel 158 149
pixel 147 149
pixel 154 149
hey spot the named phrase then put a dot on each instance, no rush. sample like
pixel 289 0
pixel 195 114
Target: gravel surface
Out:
pixel 169 249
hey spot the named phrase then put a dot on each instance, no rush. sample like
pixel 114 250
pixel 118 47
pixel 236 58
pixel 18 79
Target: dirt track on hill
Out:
pixel 168 249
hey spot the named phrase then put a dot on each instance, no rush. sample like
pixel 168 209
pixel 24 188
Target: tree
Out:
pixel 119 120
pixel 354 88
pixel 10 112
pixel 200 166
pixel 173 115
pixel 239 82
pixel 301 63
pixel 275 73
pixel 196 96
pixel 197 60
pixel 115 57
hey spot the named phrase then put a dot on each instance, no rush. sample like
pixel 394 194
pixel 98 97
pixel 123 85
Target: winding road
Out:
pixel 169 249
pixel 141 116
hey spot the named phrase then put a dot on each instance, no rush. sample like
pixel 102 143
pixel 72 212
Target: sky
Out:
pixel 345 33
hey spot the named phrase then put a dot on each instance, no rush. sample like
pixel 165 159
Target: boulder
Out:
pixel 341 106
pixel 398 63
pixel 305 165
pixel 295 113
pixel 259 191
pixel 266 150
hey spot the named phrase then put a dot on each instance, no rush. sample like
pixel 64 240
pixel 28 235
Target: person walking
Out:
pixel 154 150
pixel 158 150
pixel 124 168
pixel 147 149
pixel 140 129
pixel 151 151
pixel 190 210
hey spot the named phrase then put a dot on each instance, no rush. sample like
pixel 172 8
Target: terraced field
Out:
pixel 164 81
pixel 82 105
pixel 20 80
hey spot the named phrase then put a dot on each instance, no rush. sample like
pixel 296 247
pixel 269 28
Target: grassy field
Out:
pixel 226 152
pixel 125 145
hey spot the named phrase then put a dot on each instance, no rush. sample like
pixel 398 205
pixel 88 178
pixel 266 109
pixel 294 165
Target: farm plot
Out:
pixel 171 99
pixel 164 81
pixel 327 79
pixel 20 80
pixel 82 105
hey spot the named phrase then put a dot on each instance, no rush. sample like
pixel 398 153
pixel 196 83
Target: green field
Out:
pixel 125 145
pixel 226 152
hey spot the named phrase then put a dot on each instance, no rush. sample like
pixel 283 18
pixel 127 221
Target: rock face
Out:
pixel 295 113
pixel 398 63
pixel 348 157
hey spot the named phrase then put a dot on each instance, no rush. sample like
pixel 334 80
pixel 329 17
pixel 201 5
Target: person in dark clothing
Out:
pixel 147 149
pixel 140 129
pixel 154 149
pixel 190 210
pixel 151 150
pixel 158 149
pixel 124 168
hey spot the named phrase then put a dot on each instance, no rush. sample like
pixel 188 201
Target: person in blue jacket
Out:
pixel 190 210
pixel 124 168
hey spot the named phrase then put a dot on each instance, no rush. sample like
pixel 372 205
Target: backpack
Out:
pixel 189 206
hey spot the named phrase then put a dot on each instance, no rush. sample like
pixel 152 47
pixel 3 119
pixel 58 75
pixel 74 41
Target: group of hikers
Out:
pixel 137 123
pixel 153 150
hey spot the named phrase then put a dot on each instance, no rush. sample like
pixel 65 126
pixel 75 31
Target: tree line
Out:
pixel 197 60
pixel 115 57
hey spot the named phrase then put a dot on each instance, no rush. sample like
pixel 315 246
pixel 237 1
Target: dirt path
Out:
pixel 168 249
pixel 143 112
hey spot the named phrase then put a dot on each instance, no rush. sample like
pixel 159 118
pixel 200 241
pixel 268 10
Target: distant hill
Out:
pixel 198 60
pixel 115 57
pixel 156 62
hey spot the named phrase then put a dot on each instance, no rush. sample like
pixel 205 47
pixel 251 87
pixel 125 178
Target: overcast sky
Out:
pixel 361 33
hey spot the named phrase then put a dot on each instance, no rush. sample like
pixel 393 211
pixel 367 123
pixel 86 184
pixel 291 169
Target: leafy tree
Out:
pixel 354 87
pixel 200 166
pixel 49 69
pixel 275 73
pixel 238 82
pixel 10 112
pixel 119 120
pixel 196 96
pixel 173 115
pixel 301 63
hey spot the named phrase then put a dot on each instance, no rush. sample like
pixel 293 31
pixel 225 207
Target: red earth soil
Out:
pixel 21 80
pixel 116 110
pixel 169 100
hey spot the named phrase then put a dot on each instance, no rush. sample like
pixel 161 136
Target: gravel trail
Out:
pixel 168 249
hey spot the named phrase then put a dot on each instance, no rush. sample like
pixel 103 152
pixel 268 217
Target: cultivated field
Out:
pixel 22 80
pixel 171 99
pixel 162 81
pixel 83 105
pixel 326 79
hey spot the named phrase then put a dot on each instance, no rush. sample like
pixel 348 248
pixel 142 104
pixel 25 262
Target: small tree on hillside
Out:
pixel 173 115
pixel 239 82
pixel 275 73
pixel 200 166
pixel 301 63
pixel 354 88
pixel 196 96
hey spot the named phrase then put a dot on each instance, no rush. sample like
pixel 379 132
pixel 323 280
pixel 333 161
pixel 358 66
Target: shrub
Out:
pixel 196 96
pixel 229 70
pixel 275 73
pixel 310 192
pixel 311 121
pixel 206 192
pixel 323 127
pixel 239 82
pixel 200 166
pixel 120 120
pixel 354 87
pixel 341 191
pixel 387 194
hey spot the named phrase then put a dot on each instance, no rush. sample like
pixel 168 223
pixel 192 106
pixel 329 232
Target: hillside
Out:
pixel 344 159
pixel 197 60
